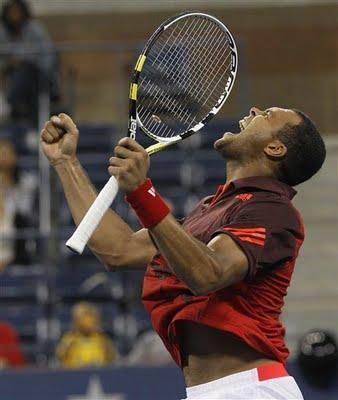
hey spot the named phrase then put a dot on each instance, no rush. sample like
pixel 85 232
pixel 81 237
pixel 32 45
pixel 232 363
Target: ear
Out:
pixel 275 150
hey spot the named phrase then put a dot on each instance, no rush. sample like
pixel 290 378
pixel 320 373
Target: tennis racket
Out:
pixel 181 80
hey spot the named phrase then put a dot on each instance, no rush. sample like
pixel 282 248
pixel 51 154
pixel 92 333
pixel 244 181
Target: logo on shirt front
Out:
pixel 244 196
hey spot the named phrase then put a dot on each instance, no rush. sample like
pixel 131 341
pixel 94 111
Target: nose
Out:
pixel 255 111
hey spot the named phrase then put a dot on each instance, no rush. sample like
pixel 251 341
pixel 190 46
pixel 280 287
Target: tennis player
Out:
pixel 214 284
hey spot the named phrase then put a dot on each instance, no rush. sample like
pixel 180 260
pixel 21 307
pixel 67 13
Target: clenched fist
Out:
pixel 129 165
pixel 59 139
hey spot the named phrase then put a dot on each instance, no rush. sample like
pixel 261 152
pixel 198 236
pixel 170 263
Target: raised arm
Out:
pixel 113 242
pixel 203 267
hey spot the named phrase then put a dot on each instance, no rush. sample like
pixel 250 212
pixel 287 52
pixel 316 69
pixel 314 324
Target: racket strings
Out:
pixel 181 82
pixel 184 114
pixel 166 68
pixel 200 91
pixel 182 55
pixel 162 47
pixel 147 89
pixel 214 75
pixel 184 77
pixel 184 80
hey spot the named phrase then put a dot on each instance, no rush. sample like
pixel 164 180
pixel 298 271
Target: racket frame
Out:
pixel 134 120
pixel 91 220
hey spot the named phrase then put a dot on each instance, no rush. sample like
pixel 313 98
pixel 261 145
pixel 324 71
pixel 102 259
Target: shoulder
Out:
pixel 272 208
pixel 68 336
pixel 103 337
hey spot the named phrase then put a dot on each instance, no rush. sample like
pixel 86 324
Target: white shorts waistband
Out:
pixel 234 380
pixel 241 379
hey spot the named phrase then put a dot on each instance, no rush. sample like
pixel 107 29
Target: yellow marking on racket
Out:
pixel 140 62
pixel 156 148
pixel 133 91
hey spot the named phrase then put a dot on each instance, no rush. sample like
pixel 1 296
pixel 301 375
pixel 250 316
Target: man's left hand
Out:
pixel 129 165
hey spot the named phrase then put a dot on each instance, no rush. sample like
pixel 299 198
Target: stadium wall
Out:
pixel 287 58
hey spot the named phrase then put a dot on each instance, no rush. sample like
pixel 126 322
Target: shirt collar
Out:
pixel 265 183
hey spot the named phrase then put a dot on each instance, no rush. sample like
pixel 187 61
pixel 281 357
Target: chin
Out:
pixel 224 141
pixel 230 147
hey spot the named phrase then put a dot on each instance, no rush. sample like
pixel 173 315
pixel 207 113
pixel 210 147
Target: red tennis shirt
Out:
pixel 257 213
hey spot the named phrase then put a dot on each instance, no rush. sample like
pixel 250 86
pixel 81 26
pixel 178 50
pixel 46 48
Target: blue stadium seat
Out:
pixel 96 137
pixel 21 135
pixel 21 284
pixel 142 317
pixel 84 284
pixel 24 318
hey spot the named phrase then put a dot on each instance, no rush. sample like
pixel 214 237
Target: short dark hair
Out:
pixel 25 9
pixel 305 151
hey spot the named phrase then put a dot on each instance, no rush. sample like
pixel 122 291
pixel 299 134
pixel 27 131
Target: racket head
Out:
pixel 182 78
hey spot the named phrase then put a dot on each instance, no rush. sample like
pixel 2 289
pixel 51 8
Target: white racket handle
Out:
pixel 77 242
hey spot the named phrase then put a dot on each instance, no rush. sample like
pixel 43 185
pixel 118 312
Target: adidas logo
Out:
pixel 244 196
pixel 152 192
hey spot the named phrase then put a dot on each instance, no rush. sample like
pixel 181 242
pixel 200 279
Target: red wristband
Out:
pixel 148 204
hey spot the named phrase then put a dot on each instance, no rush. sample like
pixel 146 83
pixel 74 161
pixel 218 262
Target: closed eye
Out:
pixel 267 113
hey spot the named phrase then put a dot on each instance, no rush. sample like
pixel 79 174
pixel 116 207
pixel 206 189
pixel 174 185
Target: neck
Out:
pixel 236 170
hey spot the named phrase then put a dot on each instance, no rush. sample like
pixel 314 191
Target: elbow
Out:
pixel 199 291
pixel 216 279
pixel 110 267
pixel 203 289
pixel 112 262
pixel 116 263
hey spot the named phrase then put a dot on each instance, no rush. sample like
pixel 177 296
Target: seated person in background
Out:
pixel 85 345
pixel 25 72
pixel 16 204
pixel 10 352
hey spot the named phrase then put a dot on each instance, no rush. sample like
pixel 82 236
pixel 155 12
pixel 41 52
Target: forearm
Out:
pixel 113 233
pixel 191 260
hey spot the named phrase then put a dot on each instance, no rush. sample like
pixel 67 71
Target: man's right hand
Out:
pixel 59 139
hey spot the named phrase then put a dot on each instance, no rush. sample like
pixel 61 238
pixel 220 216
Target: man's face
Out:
pixel 257 130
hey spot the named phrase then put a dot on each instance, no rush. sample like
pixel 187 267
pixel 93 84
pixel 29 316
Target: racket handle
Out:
pixel 91 220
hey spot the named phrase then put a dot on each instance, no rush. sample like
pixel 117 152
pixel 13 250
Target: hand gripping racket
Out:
pixel 181 80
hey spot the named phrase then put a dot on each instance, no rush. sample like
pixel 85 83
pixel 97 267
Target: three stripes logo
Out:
pixel 152 191
pixel 255 235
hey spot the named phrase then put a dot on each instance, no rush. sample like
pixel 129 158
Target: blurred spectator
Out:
pixel 149 350
pixel 10 353
pixel 318 358
pixel 16 203
pixel 25 72
pixel 85 345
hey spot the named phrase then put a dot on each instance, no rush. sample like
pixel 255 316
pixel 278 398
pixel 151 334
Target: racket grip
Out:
pixel 91 220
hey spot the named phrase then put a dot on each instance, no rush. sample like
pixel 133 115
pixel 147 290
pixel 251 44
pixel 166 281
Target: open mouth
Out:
pixel 243 124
